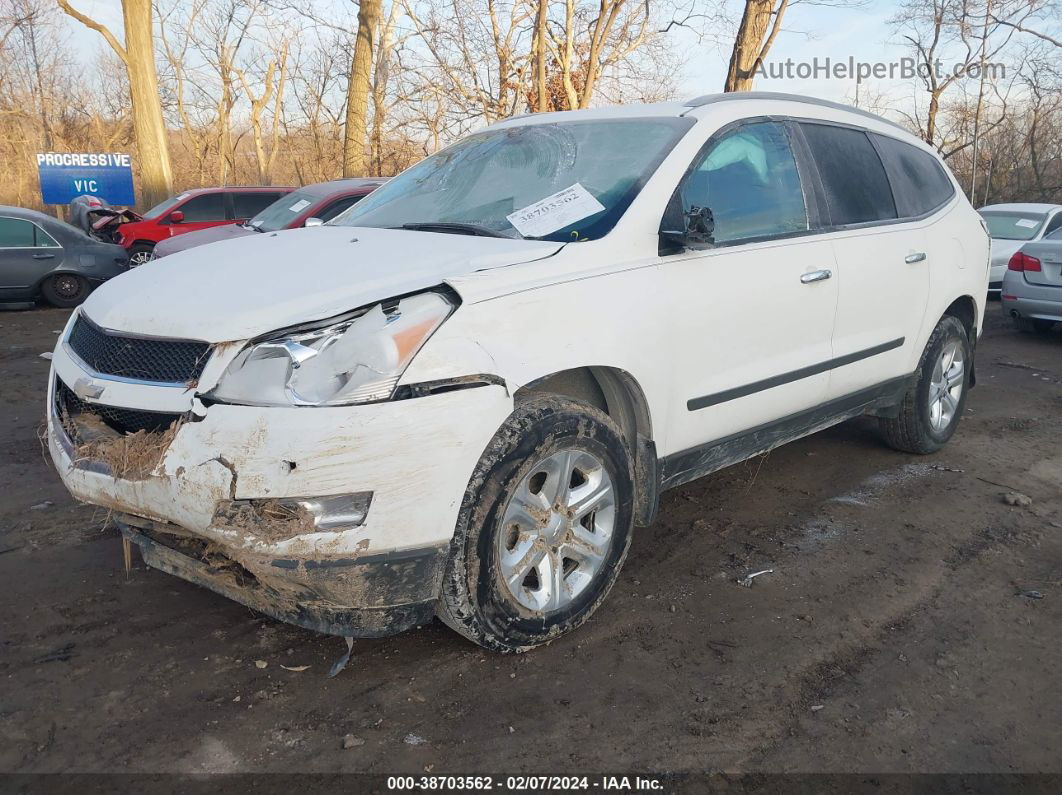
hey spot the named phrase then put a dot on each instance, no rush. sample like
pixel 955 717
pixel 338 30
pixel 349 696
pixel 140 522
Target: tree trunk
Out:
pixel 541 96
pixel 358 87
pixel 156 177
pixel 748 45
pixel 931 117
pixel 138 55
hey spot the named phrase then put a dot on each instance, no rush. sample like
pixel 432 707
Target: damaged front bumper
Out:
pixel 398 588
pixel 413 456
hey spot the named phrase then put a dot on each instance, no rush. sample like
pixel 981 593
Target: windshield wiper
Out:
pixel 446 227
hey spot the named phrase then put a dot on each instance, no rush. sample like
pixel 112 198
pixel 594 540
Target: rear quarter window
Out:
pixel 853 177
pixel 919 184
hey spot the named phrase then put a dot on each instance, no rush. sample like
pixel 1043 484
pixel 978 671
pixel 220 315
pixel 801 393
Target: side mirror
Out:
pixel 700 228
pixel 313 222
pixel 697 232
pixel 176 217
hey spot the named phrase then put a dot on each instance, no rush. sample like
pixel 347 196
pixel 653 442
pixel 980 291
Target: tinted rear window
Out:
pixel 248 205
pixel 919 183
pixel 205 207
pixel 853 177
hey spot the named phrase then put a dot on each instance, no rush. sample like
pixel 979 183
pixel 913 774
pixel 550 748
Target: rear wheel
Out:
pixel 65 290
pixel 140 254
pixel 543 529
pixel 931 409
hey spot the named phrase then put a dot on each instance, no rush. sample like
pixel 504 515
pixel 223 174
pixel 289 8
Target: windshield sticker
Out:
pixel 555 212
pixel 301 204
pixel 182 197
pixel 1028 223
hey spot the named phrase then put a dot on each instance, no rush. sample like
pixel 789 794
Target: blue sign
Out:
pixel 65 175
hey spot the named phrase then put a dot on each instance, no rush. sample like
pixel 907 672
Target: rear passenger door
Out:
pixel 882 260
pixel 752 316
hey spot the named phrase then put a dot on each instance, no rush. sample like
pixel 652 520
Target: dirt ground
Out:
pixel 892 635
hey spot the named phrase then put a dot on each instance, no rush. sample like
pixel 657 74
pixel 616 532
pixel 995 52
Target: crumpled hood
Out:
pixel 200 237
pixel 236 289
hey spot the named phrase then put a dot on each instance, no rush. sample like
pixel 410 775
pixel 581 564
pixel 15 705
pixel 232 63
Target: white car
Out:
pixel 461 396
pixel 1011 226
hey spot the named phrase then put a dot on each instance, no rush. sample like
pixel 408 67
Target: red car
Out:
pixel 323 201
pixel 191 211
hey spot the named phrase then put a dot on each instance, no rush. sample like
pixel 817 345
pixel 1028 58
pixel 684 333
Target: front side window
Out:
pixel 1013 225
pixel 338 206
pixel 165 206
pixel 16 233
pixel 472 186
pixel 857 190
pixel 206 207
pixel 748 178
pixel 919 184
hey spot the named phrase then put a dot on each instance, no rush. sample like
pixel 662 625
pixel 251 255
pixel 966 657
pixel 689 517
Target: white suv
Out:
pixel 460 397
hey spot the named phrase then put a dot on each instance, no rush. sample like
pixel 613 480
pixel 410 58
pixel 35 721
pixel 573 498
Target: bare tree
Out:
pixel 359 86
pixel 760 23
pixel 138 55
pixel 968 32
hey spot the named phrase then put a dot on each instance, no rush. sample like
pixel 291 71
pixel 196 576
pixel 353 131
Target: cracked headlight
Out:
pixel 358 359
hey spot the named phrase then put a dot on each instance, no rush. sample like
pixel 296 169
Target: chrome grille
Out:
pixel 138 358
pixel 68 407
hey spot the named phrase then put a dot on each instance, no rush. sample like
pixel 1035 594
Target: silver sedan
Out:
pixel 1032 284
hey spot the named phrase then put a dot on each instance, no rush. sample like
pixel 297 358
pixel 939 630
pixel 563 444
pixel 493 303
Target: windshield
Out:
pixel 495 182
pixel 165 206
pixel 281 213
pixel 1013 225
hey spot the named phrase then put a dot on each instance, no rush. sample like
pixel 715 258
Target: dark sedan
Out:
pixel 43 257
pixel 322 201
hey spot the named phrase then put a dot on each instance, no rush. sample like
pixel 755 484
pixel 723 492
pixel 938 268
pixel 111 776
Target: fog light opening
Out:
pixel 335 513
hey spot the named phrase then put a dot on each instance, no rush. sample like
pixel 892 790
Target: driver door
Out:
pixel 752 315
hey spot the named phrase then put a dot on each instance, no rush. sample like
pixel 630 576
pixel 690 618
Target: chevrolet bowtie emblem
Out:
pixel 86 390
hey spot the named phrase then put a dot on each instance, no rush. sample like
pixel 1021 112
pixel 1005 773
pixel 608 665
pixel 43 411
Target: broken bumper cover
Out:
pixel 400 587
pixel 415 456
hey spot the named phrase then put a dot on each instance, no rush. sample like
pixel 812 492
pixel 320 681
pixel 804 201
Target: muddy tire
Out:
pixel 65 290
pixel 932 408
pixel 543 529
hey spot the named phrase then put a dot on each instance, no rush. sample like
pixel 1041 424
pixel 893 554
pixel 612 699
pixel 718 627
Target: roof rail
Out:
pixel 711 99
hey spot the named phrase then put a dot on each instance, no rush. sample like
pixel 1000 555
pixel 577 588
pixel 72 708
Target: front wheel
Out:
pixel 931 409
pixel 543 529
pixel 140 254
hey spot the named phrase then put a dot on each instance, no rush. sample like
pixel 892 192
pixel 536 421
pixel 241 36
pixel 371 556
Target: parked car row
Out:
pixel 1026 269
pixel 459 397
pixel 42 257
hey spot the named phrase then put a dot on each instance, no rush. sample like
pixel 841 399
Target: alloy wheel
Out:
pixel 557 530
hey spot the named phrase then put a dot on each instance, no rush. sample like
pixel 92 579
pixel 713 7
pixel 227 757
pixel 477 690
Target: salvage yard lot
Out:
pixel 897 632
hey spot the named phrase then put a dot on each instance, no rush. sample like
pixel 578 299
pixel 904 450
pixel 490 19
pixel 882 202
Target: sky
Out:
pixel 809 32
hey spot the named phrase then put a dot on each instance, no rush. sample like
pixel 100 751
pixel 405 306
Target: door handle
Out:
pixel 918 256
pixel 815 276
pixel 44 256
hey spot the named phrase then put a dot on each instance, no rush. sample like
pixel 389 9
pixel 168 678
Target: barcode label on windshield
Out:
pixel 555 212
